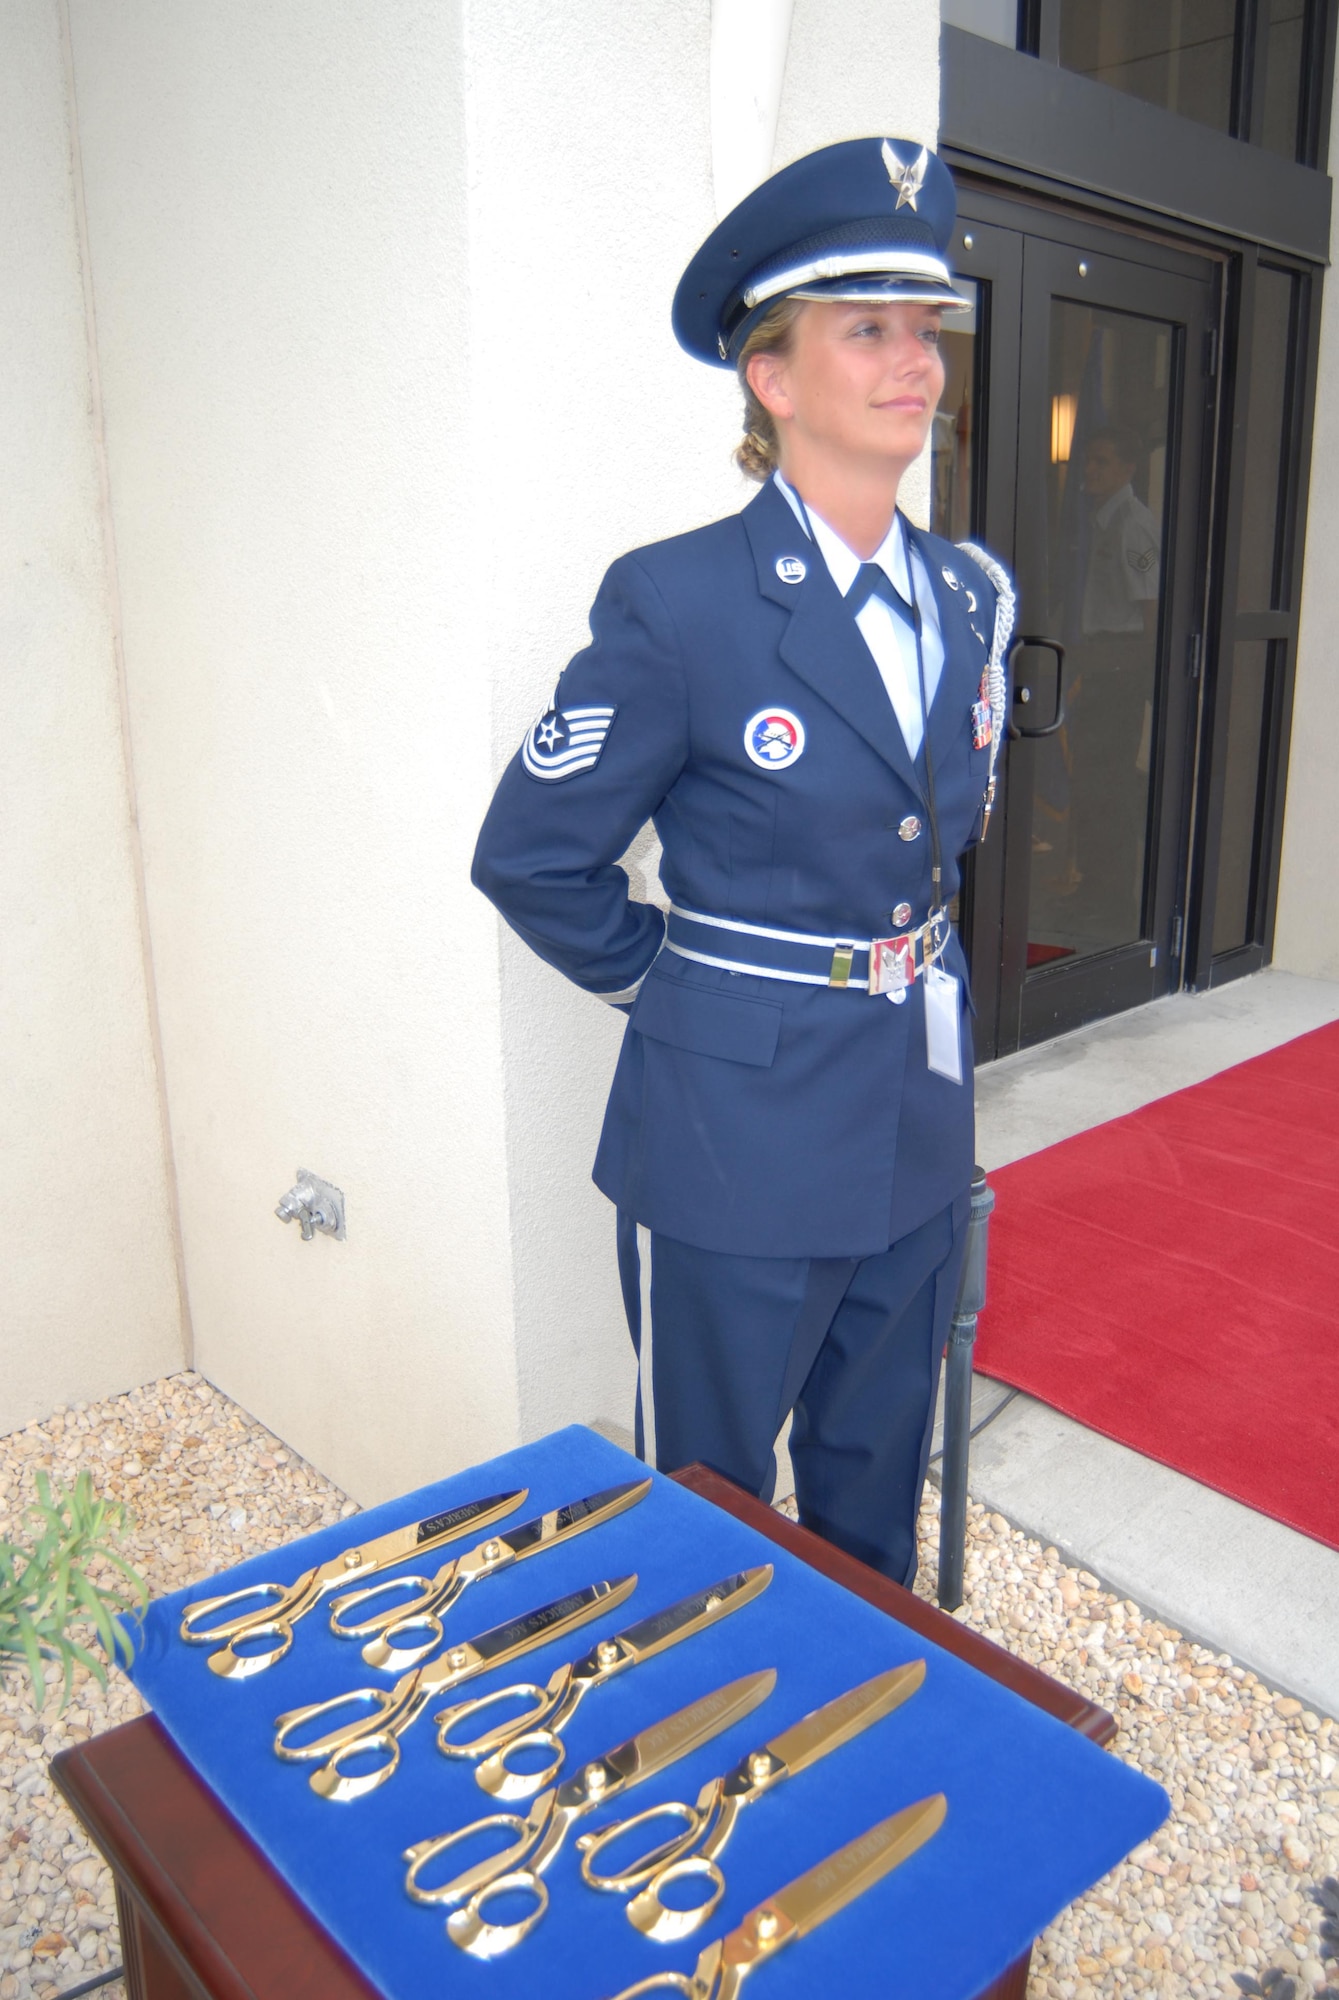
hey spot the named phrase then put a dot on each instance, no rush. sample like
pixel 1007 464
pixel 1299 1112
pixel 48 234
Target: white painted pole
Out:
pixel 749 40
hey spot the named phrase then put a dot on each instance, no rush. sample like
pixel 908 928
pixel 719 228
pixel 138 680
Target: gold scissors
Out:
pixel 394 1709
pixel 802 1905
pixel 286 1603
pixel 542 1832
pixel 554 1706
pixel 435 1595
pixel 709 1824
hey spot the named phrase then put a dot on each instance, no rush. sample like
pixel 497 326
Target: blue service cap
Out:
pixel 865 219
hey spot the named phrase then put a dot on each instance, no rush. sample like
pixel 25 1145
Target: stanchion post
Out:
pixel 958 1396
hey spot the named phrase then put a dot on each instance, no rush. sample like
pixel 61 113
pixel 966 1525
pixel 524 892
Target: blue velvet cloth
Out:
pixel 1036 1814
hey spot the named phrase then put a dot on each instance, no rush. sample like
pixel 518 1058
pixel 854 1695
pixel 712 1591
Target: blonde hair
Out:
pixel 759 451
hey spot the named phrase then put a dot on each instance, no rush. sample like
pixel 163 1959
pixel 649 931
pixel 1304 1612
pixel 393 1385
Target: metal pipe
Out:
pixel 958 1395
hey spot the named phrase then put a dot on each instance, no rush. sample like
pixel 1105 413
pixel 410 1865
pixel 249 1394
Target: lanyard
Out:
pixel 936 853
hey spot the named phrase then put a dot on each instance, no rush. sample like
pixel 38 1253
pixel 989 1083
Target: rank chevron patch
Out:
pixel 566 741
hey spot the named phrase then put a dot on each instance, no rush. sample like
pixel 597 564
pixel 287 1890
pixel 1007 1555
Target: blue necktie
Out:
pixel 871 581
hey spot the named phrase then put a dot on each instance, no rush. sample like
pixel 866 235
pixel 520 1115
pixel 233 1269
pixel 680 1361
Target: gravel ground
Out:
pixel 208 1487
pixel 1222 1888
pixel 1224 1885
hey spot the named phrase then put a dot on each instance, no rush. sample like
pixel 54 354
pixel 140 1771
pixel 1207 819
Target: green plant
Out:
pixel 47 1591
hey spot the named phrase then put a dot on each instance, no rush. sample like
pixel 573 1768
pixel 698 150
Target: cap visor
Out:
pixel 884 289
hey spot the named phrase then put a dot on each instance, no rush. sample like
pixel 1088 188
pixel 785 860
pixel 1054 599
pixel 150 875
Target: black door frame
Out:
pixel 1039 35
pixel 994 256
pixel 1021 127
pixel 1020 251
pixel 1227 626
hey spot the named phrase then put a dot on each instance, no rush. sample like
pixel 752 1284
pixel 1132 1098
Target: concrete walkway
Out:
pixel 1231 1578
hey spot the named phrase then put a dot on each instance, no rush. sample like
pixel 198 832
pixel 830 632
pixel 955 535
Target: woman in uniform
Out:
pixel 806 700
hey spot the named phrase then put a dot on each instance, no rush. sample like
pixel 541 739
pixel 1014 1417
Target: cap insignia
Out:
pixel 908 177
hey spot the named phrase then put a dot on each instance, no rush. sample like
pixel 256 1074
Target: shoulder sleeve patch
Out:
pixel 565 742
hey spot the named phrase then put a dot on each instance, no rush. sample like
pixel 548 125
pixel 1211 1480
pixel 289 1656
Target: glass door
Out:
pixel 1111 560
pixel 1091 386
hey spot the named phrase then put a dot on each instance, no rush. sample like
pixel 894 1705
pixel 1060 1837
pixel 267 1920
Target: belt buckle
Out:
pixel 892 966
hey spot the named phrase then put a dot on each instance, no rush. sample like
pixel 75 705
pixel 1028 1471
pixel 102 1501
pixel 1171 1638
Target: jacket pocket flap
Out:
pixel 707 1022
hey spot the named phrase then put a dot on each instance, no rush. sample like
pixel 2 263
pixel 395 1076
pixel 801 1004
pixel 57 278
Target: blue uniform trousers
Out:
pixel 851 1345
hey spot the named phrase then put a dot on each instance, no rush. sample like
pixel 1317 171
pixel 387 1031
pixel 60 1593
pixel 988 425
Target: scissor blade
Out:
pixel 694 1614
pixel 653 1749
pixel 534 1628
pixel 564 1522
pixel 416 1537
pixel 474 1514
pixel 827 1728
pixel 812 1898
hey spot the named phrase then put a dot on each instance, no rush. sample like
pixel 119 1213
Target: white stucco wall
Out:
pixel 1306 935
pixel 383 312
pixel 88 1302
pixel 278 215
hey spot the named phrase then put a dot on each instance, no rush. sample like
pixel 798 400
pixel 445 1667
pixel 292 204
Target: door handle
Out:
pixel 1023 693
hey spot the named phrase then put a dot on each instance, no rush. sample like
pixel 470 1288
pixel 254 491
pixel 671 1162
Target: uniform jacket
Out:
pixel 748 1115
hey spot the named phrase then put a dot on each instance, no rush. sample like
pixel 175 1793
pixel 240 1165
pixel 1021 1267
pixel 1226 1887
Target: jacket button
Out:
pixel 909 828
pixel 902 914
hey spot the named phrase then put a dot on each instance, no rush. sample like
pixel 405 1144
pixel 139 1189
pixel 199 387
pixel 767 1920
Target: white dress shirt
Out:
pixel 888 637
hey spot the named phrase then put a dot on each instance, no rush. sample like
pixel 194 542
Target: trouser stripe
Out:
pixel 645 1378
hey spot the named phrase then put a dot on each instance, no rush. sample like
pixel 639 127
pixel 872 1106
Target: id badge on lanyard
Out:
pixel 943 1020
pixel 943 1023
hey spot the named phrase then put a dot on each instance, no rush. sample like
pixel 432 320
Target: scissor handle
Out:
pixel 230 1665
pixel 232 1628
pixel 420 1614
pixel 666 1982
pixel 470 1929
pixel 332 1781
pixel 379 1652
pixel 539 1702
pixel 496 1777
pixel 528 1832
pixel 591 1845
pixel 652 1916
pixel 348 1600
pixel 710 1979
pixel 382 1700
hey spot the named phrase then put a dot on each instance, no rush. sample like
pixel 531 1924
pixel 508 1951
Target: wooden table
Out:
pixel 204 1916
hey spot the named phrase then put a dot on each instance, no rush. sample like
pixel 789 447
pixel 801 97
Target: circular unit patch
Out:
pixel 774 738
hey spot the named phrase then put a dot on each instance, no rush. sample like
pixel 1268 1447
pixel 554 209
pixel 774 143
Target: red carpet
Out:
pixel 1171 1279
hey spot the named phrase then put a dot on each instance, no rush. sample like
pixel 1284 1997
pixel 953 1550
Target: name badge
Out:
pixel 943 1036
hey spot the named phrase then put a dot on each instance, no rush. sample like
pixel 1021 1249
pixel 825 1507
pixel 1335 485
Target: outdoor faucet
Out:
pixel 315 1204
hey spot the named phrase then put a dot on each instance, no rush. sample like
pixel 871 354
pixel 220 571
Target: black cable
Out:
pixel 92 1985
pixel 936 857
pixel 975 1431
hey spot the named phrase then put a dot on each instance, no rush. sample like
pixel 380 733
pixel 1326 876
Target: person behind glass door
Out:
pixel 1115 667
pixel 790 1172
